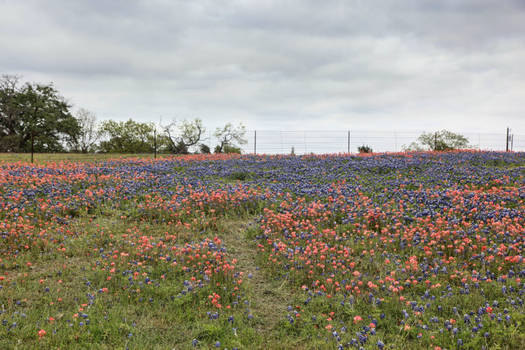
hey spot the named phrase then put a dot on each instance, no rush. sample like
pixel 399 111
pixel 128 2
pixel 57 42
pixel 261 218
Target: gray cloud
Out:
pixel 404 65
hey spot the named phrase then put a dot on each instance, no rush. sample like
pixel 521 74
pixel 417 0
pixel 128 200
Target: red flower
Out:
pixel 41 333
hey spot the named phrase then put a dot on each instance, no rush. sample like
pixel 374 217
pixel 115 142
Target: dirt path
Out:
pixel 269 297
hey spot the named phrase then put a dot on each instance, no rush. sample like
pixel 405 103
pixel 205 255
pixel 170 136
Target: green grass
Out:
pixel 156 317
pixel 42 158
pixel 151 319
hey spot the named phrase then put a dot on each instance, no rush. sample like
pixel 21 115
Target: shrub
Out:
pixel 364 149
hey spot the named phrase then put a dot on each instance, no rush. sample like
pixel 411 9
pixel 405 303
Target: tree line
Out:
pixel 34 117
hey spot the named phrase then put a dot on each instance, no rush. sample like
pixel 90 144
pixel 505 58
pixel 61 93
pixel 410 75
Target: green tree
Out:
pixel 34 117
pixel 9 138
pixel 127 137
pixel 443 140
pixel 229 136
pixel 204 149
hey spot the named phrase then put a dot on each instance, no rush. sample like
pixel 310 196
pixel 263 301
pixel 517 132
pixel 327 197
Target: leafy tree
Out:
pixel 443 140
pixel 127 137
pixel 9 138
pixel 205 149
pixel 179 137
pixel 227 149
pixel 34 117
pixel 89 132
pixel 228 137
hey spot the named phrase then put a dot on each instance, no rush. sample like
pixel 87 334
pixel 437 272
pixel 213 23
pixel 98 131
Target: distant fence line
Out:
pixel 344 141
pixel 347 141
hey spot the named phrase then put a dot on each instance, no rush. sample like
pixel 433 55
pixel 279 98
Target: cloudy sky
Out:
pixel 279 65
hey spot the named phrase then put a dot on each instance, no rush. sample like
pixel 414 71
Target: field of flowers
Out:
pixel 412 251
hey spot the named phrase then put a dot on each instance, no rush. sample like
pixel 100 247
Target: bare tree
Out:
pixel 89 131
pixel 181 136
pixel 228 137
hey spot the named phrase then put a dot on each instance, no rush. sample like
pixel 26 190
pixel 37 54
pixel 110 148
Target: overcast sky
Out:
pixel 279 65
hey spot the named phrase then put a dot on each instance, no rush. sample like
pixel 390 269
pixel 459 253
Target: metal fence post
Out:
pixel 32 146
pixel 507 140
pixel 155 143
pixel 348 142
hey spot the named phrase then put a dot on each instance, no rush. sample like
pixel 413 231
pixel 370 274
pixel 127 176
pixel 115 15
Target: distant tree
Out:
pixel 228 137
pixel 34 117
pixel 178 148
pixel 364 149
pixel 413 147
pixel 9 113
pixel 231 149
pixel 180 137
pixel 89 132
pixel 443 140
pixel 205 149
pixel 127 137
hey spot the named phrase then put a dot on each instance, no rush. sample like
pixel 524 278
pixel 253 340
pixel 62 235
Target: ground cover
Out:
pixel 417 250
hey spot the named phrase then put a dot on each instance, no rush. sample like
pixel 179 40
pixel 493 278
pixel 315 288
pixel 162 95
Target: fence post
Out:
pixel 155 143
pixel 507 140
pixel 32 146
pixel 348 143
pixel 255 142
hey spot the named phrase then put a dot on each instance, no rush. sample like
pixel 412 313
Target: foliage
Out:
pixel 9 90
pixel 127 137
pixel 227 149
pixel 204 149
pixel 364 149
pixel 34 116
pixel 229 136
pixel 443 140
pixel 179 148
pixel 180 137
pixel 89 132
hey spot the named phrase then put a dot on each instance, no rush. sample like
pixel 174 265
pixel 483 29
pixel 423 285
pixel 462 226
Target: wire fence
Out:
pixel 347 141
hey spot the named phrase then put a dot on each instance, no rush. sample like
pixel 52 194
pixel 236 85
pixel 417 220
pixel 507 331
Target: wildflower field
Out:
pixel 394 251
